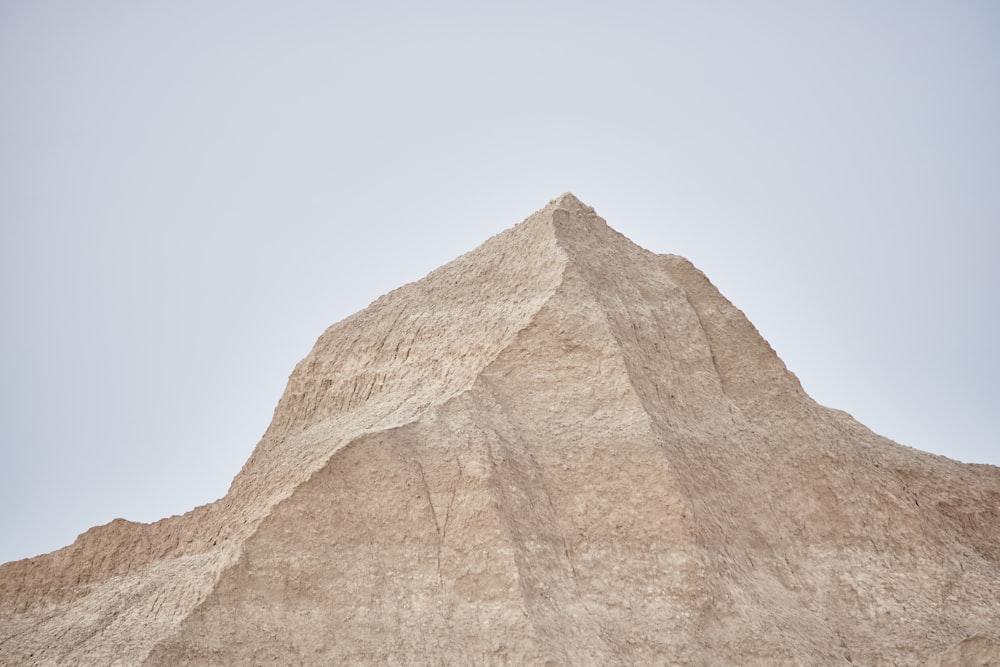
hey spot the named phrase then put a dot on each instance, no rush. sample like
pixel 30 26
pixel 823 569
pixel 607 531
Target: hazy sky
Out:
pixel 191 192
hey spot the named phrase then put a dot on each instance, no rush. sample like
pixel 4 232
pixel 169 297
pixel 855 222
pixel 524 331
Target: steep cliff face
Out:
pixel 558 449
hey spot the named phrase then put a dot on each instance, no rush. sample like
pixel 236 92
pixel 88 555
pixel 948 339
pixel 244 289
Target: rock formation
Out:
pixel 559 448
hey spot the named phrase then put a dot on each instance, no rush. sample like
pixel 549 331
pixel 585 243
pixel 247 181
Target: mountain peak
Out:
pixel 557 448
pixel 570 208
pixel 568 200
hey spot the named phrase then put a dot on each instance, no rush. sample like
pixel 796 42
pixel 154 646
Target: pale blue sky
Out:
pixel 190 192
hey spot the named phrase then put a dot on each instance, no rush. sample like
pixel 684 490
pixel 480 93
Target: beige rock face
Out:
pixel 558 449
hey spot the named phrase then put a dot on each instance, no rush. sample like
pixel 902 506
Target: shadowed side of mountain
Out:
pixel 788 500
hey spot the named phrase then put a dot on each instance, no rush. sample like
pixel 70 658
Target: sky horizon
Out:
pixel 191 193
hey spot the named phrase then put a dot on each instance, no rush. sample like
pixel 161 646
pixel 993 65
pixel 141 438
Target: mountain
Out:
pixel 559 448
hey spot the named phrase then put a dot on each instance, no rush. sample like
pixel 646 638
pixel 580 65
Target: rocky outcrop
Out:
pixel 558 449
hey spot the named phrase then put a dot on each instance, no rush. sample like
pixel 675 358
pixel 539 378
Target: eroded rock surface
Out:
pixel 558 449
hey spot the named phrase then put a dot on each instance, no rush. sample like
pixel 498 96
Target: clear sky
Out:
pixel 191 192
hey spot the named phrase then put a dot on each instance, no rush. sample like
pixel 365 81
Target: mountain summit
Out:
pixel 559 448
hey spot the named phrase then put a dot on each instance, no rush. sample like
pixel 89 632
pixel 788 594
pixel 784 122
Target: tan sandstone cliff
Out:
pixel 559 448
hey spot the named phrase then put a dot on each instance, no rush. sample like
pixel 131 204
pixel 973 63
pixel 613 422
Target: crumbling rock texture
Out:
pixel 559 448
